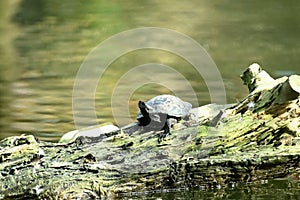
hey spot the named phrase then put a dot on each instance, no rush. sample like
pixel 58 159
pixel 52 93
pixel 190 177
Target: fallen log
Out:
pixel 255 139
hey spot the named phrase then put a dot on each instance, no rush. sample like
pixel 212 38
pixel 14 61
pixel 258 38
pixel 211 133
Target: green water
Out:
pixel 44 43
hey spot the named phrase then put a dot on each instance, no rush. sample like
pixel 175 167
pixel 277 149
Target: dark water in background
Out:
pixel 273 189
pixel 43 44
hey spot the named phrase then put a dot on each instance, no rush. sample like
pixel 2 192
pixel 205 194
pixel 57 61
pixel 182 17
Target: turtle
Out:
pixel 160 112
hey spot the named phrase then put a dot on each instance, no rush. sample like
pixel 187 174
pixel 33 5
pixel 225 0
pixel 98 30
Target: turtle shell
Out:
pixel 168 104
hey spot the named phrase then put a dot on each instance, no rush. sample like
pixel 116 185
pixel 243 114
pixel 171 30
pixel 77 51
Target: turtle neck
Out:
pixel 145 120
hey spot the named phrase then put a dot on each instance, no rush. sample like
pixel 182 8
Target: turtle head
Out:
pixel 143 106
pixel 143 118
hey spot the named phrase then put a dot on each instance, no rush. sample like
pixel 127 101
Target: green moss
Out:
pixel 243 147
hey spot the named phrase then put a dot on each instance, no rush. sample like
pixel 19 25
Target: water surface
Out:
pixel 43 44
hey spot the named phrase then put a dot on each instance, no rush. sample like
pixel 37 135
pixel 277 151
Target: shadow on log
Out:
pixel 255 139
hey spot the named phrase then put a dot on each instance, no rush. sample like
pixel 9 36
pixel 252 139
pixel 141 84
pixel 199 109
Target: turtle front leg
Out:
pixel 166 128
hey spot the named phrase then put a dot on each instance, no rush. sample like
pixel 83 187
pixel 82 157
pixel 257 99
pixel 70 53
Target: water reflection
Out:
pixel 267 189
pixel 43 44
pixel 35 12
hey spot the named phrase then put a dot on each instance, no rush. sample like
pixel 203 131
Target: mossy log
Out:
pixel 253 140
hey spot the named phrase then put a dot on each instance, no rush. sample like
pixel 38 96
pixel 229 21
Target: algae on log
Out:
pixel 255 139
